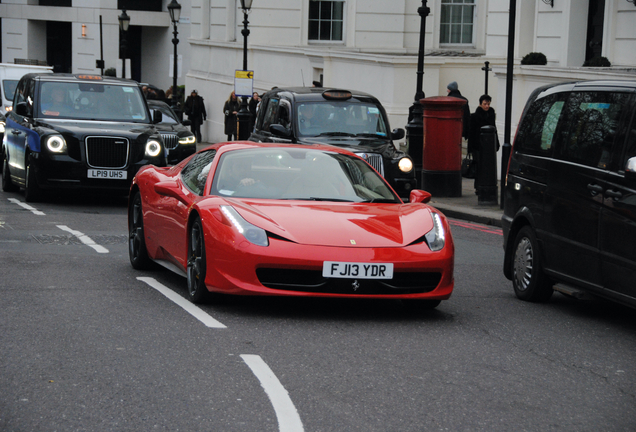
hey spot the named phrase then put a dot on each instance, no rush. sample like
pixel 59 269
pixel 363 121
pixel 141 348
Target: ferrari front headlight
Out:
pixel 153 148
pixel 56 144
pixel 252 233
pixel 436 238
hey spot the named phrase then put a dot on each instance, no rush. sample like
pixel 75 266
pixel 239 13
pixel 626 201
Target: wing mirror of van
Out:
pixel 397 134
pixel 630 168
pixel 157 116
pixel 22 109
pixel 280 131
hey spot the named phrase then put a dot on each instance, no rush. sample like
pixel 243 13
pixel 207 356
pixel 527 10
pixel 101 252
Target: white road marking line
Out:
pixel 26 206
pixel 288 418
pixel 84 239
pixel 184 303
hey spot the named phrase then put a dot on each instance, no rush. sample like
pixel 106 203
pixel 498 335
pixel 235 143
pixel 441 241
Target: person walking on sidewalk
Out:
pixel 230 109
pixel 484 115
pixel 453 91
pixel 194 108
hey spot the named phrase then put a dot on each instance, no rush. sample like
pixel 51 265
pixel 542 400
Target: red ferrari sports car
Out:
pixel 297 220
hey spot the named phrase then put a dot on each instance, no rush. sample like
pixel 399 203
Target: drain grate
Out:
pixel 63 240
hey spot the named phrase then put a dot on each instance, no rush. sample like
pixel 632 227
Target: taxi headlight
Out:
pixel 56 144
pixel 252 233
pixel 188 140
pixel 436 238
pixel 405 164
pixel 153 148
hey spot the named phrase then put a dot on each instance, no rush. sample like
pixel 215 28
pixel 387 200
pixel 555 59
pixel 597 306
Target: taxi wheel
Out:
pixel 7 185
pixel 420 305
pixel 137 251
pixel 197 291
pixel 31 187
pixel 528 279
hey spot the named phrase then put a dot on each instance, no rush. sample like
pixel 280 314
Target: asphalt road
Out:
pixel 85 345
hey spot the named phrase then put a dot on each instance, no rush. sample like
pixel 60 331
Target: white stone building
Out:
pixel 367 45
pixel 66 34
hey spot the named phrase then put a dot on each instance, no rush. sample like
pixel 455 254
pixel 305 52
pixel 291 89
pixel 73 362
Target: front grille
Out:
pixel 170 141
pixel 313 281
pixel 375 160
pixel 107 152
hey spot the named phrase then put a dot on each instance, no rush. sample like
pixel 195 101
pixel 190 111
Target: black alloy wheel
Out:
pixel 197 291
pixel 7 185
pixel 528 279
pixel 31 187
pixel 137 252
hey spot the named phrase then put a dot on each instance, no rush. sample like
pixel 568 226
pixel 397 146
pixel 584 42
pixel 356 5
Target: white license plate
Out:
pixel 108 174
pixel 350 270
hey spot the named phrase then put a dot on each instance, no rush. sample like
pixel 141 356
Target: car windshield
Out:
pixel 92 101
pixel 299 174
pixel 347 118
pixel 168 116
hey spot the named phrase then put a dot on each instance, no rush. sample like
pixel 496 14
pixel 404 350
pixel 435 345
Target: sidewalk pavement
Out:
pixel 465 207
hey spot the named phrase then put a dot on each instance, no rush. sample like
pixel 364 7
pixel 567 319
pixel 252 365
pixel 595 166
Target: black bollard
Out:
pixel 486 178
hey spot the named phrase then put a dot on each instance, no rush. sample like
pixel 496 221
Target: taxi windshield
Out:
pixel 340 118
pixel 92 101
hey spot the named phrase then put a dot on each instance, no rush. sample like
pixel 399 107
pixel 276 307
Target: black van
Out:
pixel 570 196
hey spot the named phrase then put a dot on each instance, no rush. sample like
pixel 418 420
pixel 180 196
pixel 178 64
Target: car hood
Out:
pixel 353 144
pixel 172 128
pixel 99 128
pixel 339 224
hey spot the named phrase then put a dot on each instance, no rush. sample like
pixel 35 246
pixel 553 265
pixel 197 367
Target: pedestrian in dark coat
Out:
pixel 453 91
pixel 484 115
pixel 194 108
pixel 231 109
pixel 252 106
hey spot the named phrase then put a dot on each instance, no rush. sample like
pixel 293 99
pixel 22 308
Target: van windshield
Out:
pixel 340 118
pixel 92 101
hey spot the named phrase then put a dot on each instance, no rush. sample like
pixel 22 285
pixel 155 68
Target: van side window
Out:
pixel 270 114
pixel 590 123
pixel 630 150
pixel 536 136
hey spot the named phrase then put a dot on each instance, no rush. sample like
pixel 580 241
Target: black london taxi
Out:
pixel 77 131
pixel 353 120
pixel 570 194
pixel 180 142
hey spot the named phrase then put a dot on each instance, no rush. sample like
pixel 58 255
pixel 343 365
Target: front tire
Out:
pixel 7 185
pixel 197 291
pixel 137 251
pixel 528 279
pixel 32 191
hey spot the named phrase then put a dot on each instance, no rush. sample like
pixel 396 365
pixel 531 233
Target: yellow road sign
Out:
pixel 244 74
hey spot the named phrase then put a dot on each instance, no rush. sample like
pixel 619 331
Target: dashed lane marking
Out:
pixel 184 303
pixel 27 206
pixel 286 413
pixel 84 239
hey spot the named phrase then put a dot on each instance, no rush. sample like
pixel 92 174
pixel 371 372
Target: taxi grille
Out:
pixel 107 152
pixel 170 141
pixel 313 281
pixel 375 160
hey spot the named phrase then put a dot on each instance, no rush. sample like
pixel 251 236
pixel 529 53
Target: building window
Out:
pixel 325 20
pixel 457 22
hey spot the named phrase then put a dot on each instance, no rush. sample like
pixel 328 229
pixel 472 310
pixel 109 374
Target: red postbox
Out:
pixel 442 148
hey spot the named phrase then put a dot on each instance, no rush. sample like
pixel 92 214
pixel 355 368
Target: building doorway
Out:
pixel 595 21
pixel 59 46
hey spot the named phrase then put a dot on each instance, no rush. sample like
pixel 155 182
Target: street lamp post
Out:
pixel 175 14
pixel 244 114
pixel 124 22
pixel 415 128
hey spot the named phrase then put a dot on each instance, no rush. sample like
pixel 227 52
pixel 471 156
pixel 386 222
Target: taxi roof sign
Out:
pixel 337 94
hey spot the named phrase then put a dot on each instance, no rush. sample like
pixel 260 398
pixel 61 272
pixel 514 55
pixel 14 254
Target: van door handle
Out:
pixel 595 189
pixel 613 194
pixel 16 132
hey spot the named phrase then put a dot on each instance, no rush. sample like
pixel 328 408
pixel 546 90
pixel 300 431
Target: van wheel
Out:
pixel 7 185
pixel 528 279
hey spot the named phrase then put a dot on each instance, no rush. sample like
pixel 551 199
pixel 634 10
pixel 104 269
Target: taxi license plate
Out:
pixel 108 174
pixel 351 270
